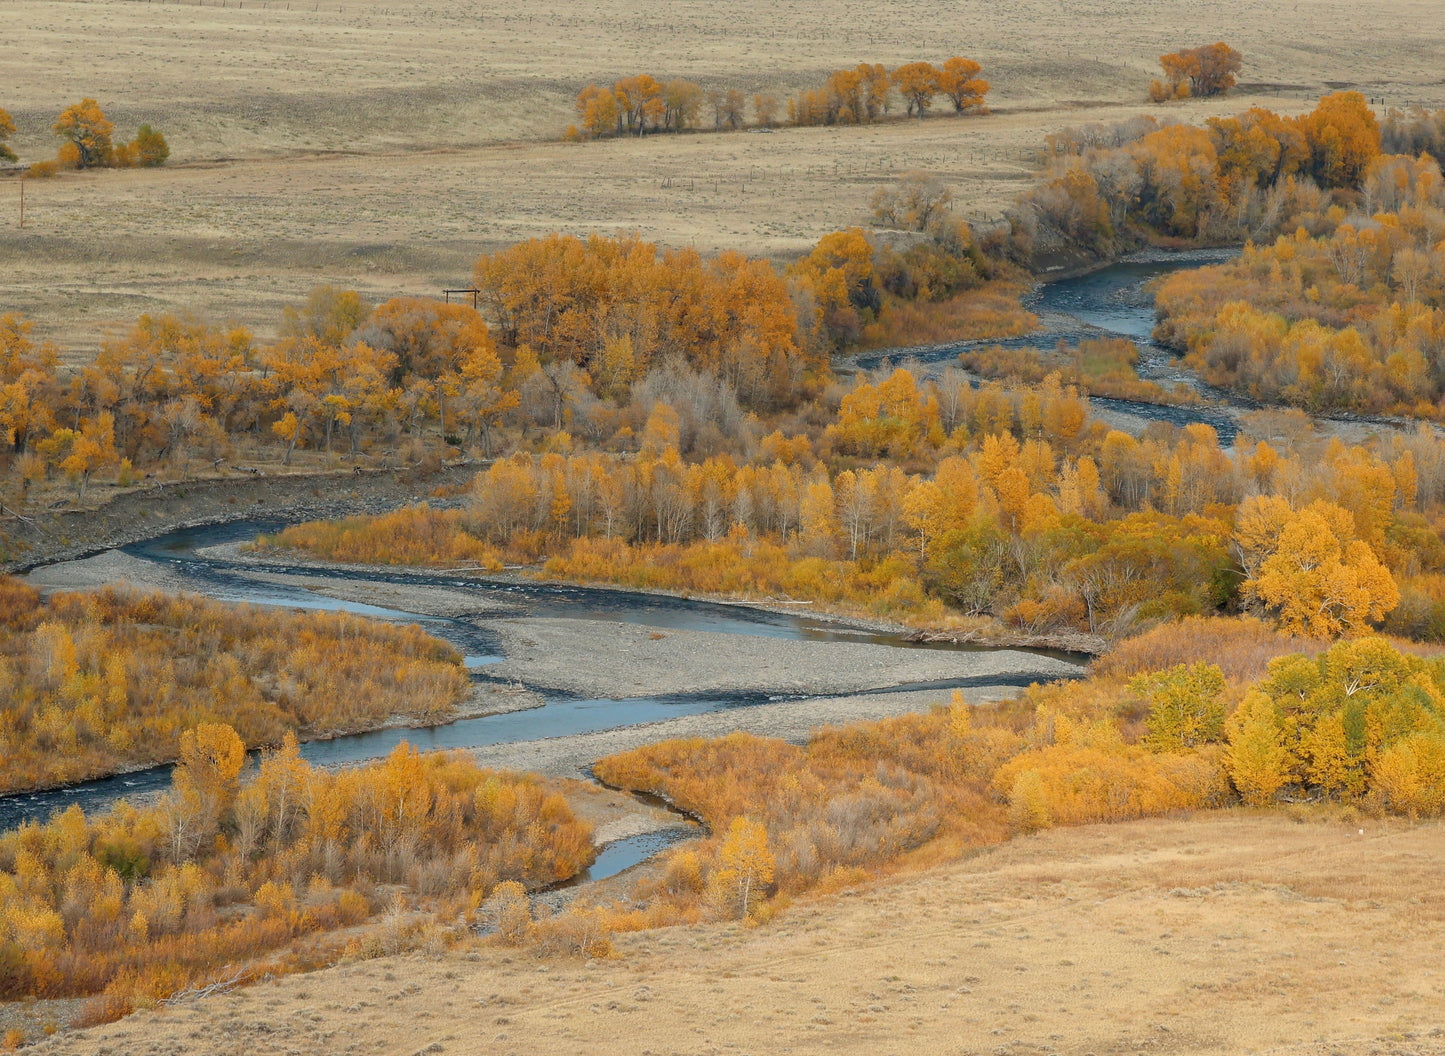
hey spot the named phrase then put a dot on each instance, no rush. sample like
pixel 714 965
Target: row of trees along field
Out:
pixel 579 327
pixel 948 505
pixel 99 682
pixel 87 142
pixel 221 875
pixel 642 104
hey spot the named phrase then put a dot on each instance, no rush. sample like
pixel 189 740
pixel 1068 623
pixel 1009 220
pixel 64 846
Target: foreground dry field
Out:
pixel 383 144
pixel 1228 933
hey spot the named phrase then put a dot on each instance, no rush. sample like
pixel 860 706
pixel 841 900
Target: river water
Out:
pixel 1115 301
pixel 560 715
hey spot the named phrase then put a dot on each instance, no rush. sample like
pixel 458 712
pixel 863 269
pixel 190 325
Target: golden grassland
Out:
pixel 382 145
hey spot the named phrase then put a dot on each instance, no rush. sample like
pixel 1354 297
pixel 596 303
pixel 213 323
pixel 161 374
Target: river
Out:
pixel 190 553
pixel 1114 301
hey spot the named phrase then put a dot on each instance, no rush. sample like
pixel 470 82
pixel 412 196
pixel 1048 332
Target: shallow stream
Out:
pixel 1114 301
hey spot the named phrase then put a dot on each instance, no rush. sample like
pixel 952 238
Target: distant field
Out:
pixel 383 144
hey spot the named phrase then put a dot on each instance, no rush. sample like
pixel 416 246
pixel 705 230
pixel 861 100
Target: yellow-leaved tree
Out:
pixel 205 783
pixel 86 127
pixel 7 129
pixel 745 869
pixel 1308 567
pixel 1256 756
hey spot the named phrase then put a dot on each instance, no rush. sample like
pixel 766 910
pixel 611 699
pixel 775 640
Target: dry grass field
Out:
pixel 1228 933
pixel 383 144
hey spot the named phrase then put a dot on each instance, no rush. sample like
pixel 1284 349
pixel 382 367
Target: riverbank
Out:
pixel 596 670
pixel 789 720
pixel 595 659
pixel 599 658
pixel 133 516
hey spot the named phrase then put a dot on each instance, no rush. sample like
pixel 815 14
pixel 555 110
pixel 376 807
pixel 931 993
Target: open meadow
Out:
pixel 382 145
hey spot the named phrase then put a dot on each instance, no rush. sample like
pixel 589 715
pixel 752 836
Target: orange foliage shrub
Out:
pixel 143 902
pixel 412 535
pixel 1240 647
pixel 92 683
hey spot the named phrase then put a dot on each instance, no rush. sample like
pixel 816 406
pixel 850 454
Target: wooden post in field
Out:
pixel 22 200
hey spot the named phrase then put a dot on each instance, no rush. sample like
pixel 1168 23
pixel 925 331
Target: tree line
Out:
pixel 642 104
pixel 577 326
pixel 1345 314
pixel 1248 176
pixel 88 142
pixel 943 501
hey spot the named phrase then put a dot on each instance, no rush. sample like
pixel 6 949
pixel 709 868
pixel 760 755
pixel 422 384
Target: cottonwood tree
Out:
pixel 482 399
pixel 7 129
pixel 149 148
pixel 1309 567
pixel 959 80
pixel 205 783
pixel 329 315
pixel 729 108
pixel 1343 137
pixel 913 203
pixel 79 453
pixel 599 110
pixel 85 126
pixel 1203 71
pixel 640 100
pixel 765 110
pixel 683 100
pixel 918 83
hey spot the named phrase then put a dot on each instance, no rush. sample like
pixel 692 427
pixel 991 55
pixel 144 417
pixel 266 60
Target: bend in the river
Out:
pixel 600 617
pixel 1112 301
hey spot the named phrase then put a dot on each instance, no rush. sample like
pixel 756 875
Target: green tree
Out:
pixel 150 147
